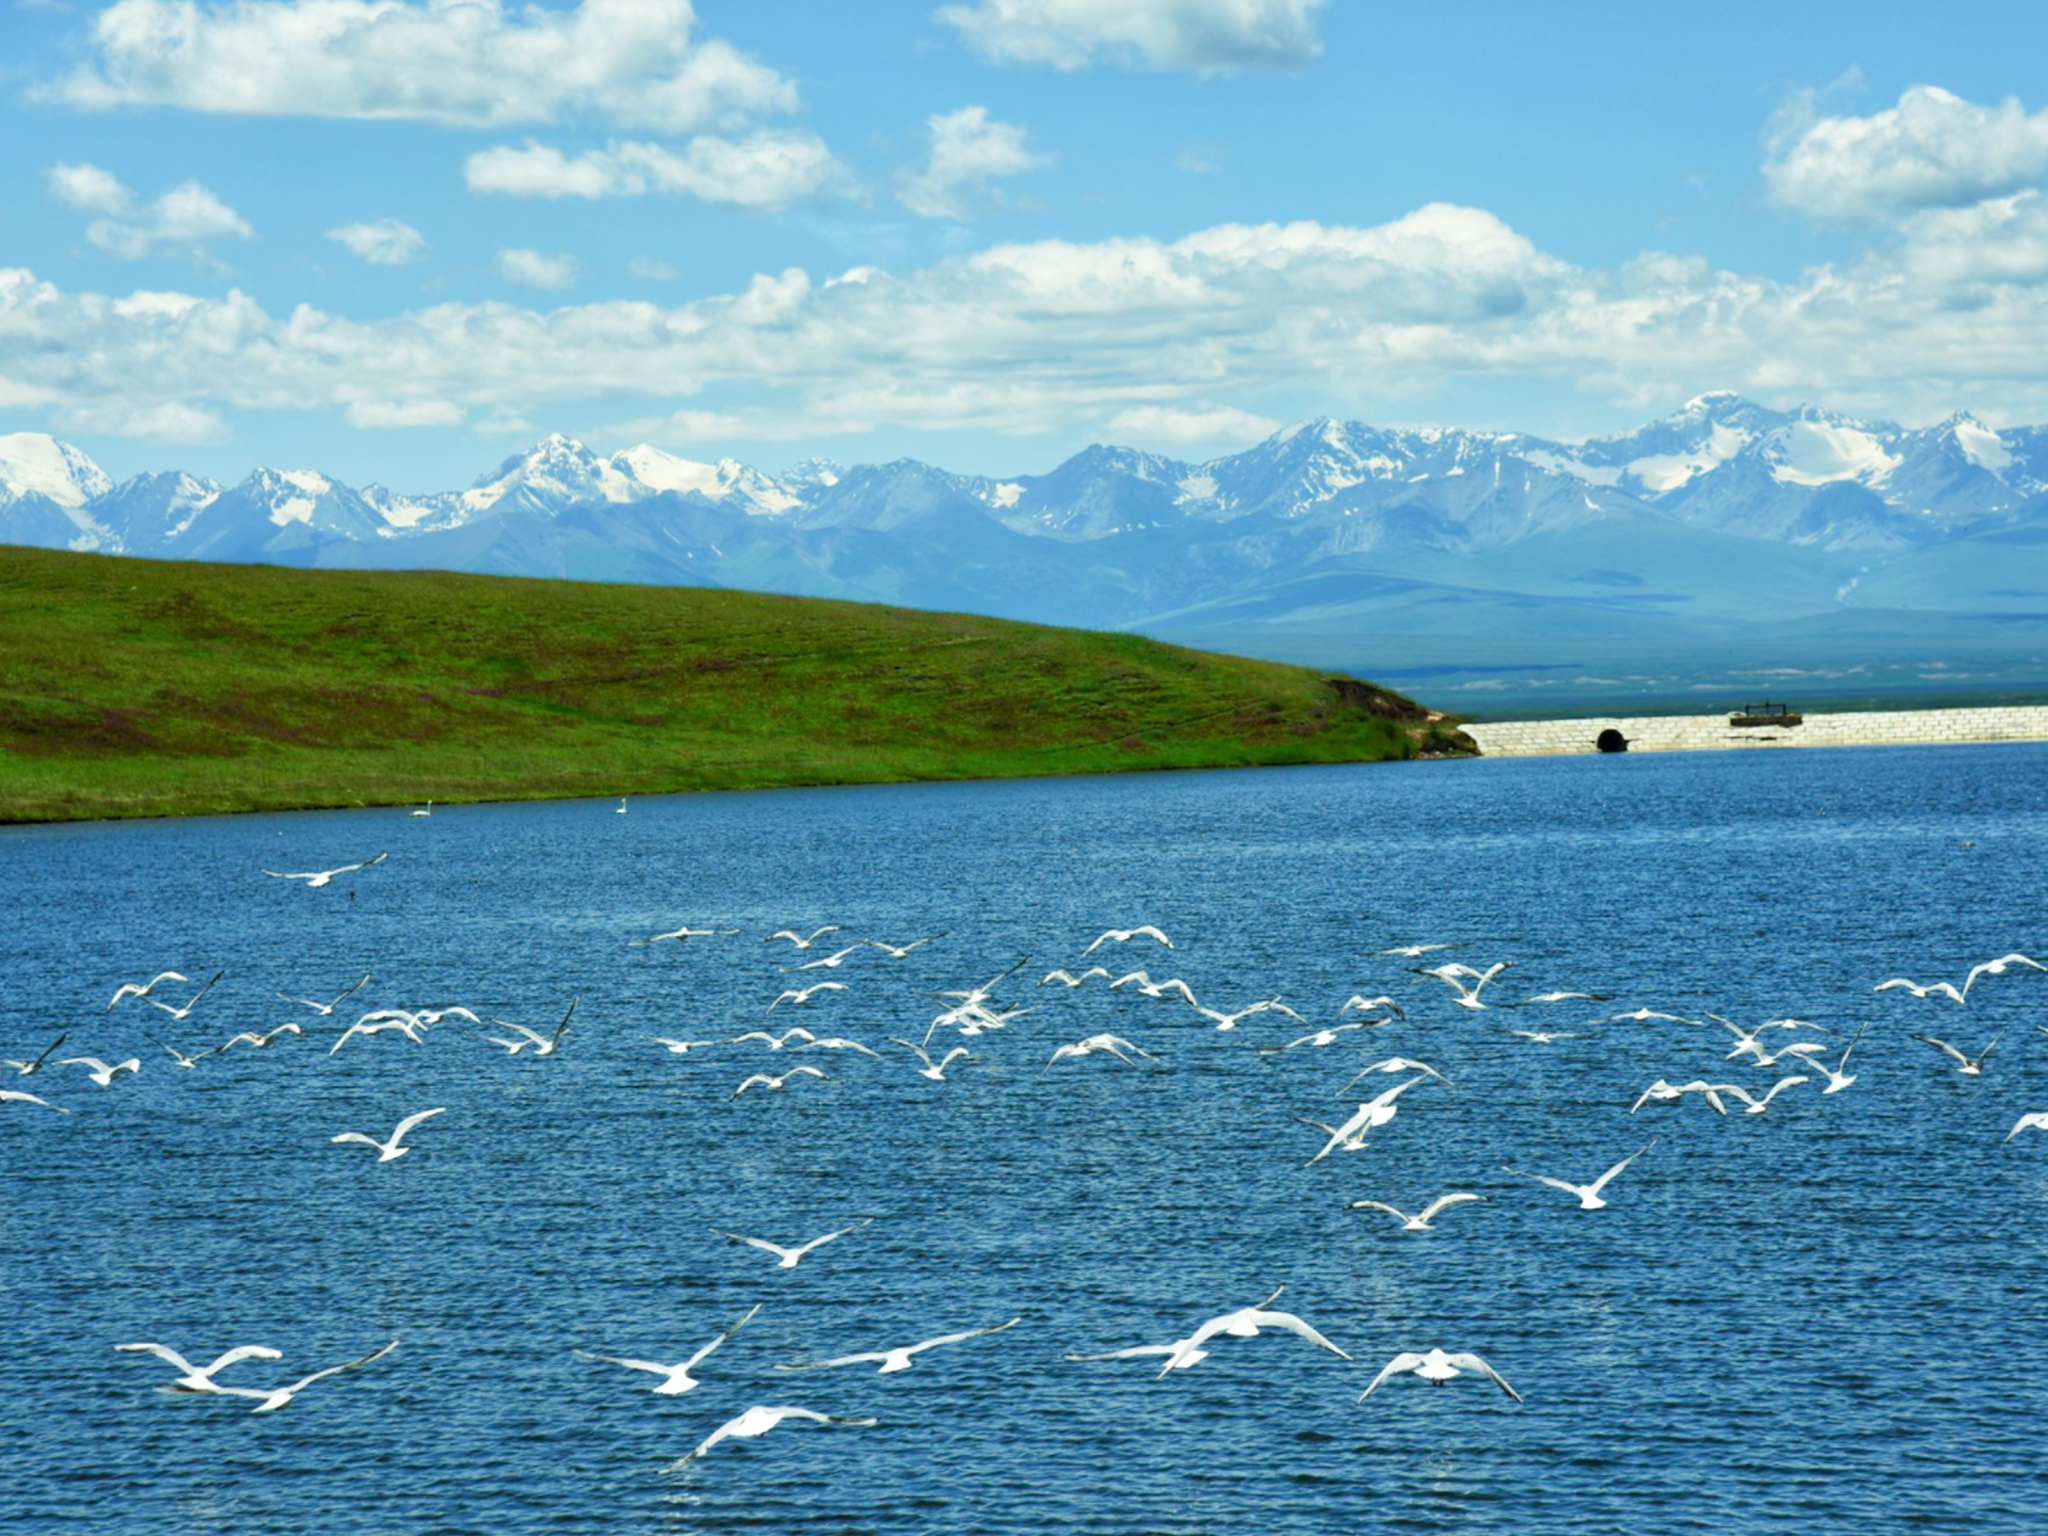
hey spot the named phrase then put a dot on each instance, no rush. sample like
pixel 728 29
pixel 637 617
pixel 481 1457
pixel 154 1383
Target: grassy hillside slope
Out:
pixel 142 688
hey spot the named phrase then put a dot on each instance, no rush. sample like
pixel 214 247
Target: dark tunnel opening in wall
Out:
pixel 1611 740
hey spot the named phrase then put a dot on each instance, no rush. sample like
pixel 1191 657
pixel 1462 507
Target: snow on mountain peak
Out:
pixel 1818 449
pixel 36 464
pixel 1979 444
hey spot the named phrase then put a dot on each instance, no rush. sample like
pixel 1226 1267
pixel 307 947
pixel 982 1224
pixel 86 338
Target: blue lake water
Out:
pixel 1833 1316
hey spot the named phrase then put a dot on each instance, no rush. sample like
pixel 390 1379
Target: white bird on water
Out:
pixel 316 878
pixel 676 1378
pixel 1589 1194
pixel 758 1421
pixel 936 1071
pixel 543 1045
pixel 622 807
pixel 1438 1368
pixel 100 1071
pixel 1420 1222
pixel 199 1378
pixel 389 1150
pixel 769 1080
pixel 425 810
pixel 326 1010
pixel 789 1258
pixel 1125 935
pixel 894 1360
pixel 1968 1066
pixel 144 988
pixel 280 1397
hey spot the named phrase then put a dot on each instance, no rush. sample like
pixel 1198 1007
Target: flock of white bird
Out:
pixel 971 1014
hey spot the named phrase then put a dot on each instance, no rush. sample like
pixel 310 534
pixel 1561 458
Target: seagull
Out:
pixel 279 1397
pixel 1320 1038
pixel 1644 1015
pixel 790 1257
pixel 543 1045
pixel 800 995
pixel 378 1023
pixel 684 1047
pixel 2028 1122
pixel 1151 988
pixel 834 1043
pixel 16 1096
pixel 143 989
pixel 776 1082
pixel 1419 1223
pixel 319 878
pixel 180 1014
pixel 799 940
pixel 1125 935
pixel 1758 1105
pixel 1399 1064
pixel 1371 1005
pixel 1798 1050
pixel 902 951
pixel 101 1073
pixel 1998 968
pixel 429 1017
pixel 1839 1076
pixel 1455 977
pixel 1415 951
pixel 1116 1045
pixel 935 1071
pixel 894 1360
pixel 677 1377
pixel 1671 1093
pixel 387 1151
pixel 260 1042
pixel 178 1056
pixel 1548 1036
pixel 758 1421
pixel 1229 1020
pixel 200 1378
pixel 1746 1043
pixel 685 933
pixel 1245 1323
pixel 1369 1117
pixel 1438 1368
pixel 425 810
pixel 1946 989
pixel 1069 979
pixel 833 961
pixel 1589 1194
pixel 968 1005
pixel 1968 1066
pixel 30 1068
pixel 1566 997
pixel 774 1042
pixel 326 1010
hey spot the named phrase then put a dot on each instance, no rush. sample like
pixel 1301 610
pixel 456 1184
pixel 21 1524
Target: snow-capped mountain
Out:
pixel 34 464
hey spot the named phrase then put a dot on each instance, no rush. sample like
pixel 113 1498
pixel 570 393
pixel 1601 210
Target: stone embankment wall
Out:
pixel 1712 733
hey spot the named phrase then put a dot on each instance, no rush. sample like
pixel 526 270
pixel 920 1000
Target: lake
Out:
pixel 1830 1315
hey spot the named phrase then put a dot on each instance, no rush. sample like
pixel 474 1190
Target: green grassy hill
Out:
pixel 145 688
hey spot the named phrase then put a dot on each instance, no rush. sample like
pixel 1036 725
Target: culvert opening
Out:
pixel 1611 740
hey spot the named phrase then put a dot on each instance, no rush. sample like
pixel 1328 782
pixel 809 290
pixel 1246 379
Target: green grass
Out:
pixel 146 688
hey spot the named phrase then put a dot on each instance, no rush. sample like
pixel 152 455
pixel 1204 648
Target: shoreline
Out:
pixel 1713 733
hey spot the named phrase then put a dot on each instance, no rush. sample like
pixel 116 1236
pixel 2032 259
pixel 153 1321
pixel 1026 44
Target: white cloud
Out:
pixel 967 152
pixel 1215 37
pixel 376 414
pixel 1178 426
pixel 183 220
pixel 653 270
pixel 468 62
pixel 769 169
pixel 534 269
pixel 382 243
pixel 1932 150
pixel 1161 338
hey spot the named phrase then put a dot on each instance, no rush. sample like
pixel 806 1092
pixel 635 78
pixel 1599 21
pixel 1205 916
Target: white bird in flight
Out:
pixel 389 1150
pixel 685 933
pixel 279 1397
pixel 16 1096
pixel 1415 951
pixel 936 1071
pixel 1589 1194
pixel 1547 1036
pixel 1321 1037
pixel 326 1010
pixel 1069 979
pixel 774 1042
pixel 1398 1064
pixel 1839 1076
pixel 1998 967
pixel 789 1258
pixel 261 1042
pixel 758 1421
pixel 1245 1323
pixel 2037 1122
pixel 801 995
pixel 317 878
pixel 834 1043
pixel 1670 1093
pixel 1350 1136
pixel 1438 1368
pixel 1945 988
pixel 769 1080
pixel 1115 1045
pixel 199 1378
pixel 1645 1015
pixel 30 1068
pixel 831 962
pixel 1125 935
pixel 1372 1005
pixel 176 1055
pixel 684 1047
pixel 543 1045
pixel 1968 1066
pixel 902 951
pixel 1145 984
pixel 676 1378
pixel 100 1071
pixel 1230 1020
pixel 799 940
pixel 1464 980
pixel 144 988
pixel 894 1360
pixel 1420 1222
pixel 380 1022
pixel 1757 1106
pixel 182 1012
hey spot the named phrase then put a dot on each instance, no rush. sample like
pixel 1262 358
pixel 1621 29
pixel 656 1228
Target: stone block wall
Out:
pixel 1712 733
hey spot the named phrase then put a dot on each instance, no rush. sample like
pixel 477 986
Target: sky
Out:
pixel 398 240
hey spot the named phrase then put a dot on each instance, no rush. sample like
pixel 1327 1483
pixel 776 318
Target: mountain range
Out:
pixel 1726 545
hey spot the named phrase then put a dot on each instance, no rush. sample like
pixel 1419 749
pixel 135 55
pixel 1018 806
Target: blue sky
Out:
pixel 396 239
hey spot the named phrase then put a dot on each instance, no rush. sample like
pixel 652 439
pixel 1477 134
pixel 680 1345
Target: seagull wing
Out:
pixel 1475 1364
pixel 697 1359
pixel 410 1121
pixel 1444 1201
pixel 961 1338
pixel 632 1365
pixel 556 1038
pixel 1944 1047
pixel 819 1242
pixel 347 1365
pixel 164 1353
pixel 1541 1178
pixel 1381 1205
pixel 1601 1183
pixel 1394 1367
pixel 1133 1353
pixel 872 1357
pixel 242 1352
pixel 1288 1322
pixel 761 1243
pixel 368 1141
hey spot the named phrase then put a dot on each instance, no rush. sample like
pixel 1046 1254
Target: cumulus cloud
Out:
pixel 1168 340
pixel 469 62
pixel 535 269
pixel 183 220
pixel 967 152
pixel 1932 150
pixel 765 170
pixel 382 243
pixel 1213 37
